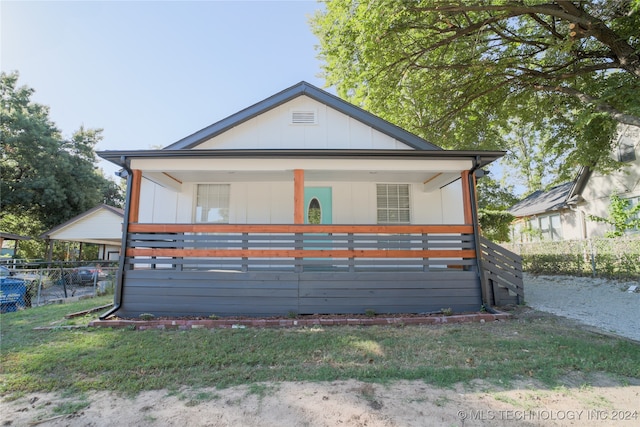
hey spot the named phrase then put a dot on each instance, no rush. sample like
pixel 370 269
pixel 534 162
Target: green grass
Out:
pixel 543 348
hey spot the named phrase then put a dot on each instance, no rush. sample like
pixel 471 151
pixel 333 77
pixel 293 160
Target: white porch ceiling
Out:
pixel 430 180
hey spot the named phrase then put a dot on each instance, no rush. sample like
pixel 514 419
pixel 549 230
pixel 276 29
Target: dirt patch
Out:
pixel 595 401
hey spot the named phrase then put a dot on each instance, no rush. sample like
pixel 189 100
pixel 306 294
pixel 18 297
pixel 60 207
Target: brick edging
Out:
pixel 184 324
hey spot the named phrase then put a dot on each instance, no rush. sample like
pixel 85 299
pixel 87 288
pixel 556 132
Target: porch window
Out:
pixel 212 203
pixel 393 204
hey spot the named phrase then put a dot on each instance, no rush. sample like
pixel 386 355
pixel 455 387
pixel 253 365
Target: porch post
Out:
pixel 471 206
pixel 466 198
pixel 50 250
pixel 134 207
pixel 298 196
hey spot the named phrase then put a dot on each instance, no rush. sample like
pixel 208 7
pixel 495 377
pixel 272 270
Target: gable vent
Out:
pixel 304 117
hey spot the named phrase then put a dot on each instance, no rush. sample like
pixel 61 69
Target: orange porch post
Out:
pixel 298 196
pixel 466 198
pixel 134 203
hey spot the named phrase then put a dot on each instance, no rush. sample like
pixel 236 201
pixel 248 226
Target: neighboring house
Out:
pixel 301 203
pixel 562 213
pixel 101 225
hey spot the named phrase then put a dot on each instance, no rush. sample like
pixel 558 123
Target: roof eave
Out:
pixel 482 158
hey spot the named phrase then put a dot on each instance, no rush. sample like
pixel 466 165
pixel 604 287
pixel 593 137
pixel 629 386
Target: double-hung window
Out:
pixel 212 203
pixel 393 204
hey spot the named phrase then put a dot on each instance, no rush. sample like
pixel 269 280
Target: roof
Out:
pixel 11 236
pixel 300 89
pixel 543 201
pixel 112 209
pixel 558 197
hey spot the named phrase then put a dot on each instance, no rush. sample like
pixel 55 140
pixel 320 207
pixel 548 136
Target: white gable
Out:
pixel 303 123
pixel 99 226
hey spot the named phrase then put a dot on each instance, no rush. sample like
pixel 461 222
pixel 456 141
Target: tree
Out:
pixel 471 74
pixel 622 216
pixel 494 198
pixel 45 177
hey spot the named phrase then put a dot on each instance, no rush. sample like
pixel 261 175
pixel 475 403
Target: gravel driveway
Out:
pixel 605 304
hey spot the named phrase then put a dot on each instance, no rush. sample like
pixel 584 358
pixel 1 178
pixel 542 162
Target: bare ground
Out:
pixel 597 400
pixel 344 403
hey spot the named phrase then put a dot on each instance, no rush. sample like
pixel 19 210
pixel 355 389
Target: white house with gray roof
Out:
pixel 300 203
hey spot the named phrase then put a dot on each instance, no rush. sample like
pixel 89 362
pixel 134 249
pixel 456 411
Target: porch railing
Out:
pixel 503 271
pixel 250 247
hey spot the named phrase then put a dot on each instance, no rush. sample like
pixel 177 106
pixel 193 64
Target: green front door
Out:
pixel 317 205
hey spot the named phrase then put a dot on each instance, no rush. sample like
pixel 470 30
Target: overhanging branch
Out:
pixel 598 105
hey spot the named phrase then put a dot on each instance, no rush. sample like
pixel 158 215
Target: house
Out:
pixel 563 212
pixel 301 203
pixel 101 225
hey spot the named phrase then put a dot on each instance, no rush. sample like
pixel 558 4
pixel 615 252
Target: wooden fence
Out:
pixel 503 273
pixel 286 247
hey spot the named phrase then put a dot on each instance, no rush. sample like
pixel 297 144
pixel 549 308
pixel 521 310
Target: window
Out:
pixel 393 204
pixel 212 203
pixel 545 228
pixel 314 212
pixel 550 227
pixel 626 152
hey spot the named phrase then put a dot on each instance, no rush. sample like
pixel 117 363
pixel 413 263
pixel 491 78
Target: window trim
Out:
pixel 399 209
pixel 195 202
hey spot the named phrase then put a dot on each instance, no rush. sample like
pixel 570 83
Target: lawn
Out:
pixel 531 345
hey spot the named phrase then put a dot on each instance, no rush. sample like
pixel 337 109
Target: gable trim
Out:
pixel 300 89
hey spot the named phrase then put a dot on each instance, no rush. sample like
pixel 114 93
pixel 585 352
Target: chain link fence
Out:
pixel 34 284
pixel 617 258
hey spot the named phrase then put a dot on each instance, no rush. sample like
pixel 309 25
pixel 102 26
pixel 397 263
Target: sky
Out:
pixel 152 72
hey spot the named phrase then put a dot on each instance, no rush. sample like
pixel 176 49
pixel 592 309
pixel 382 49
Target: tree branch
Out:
pixel 588 99
pixel 564 9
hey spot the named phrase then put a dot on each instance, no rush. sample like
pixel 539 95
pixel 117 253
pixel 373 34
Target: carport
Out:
pixel 101 225
pixel 15 237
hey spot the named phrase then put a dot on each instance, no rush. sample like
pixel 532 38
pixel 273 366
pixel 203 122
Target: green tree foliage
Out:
pixel 26 224
pixel 494 199
pixel 490 74
pixel 622 216
pixel 46 177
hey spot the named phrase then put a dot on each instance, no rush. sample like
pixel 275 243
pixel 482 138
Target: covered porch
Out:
pixel 269 255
